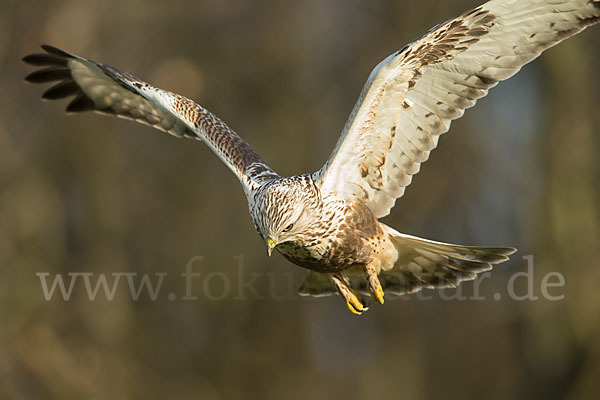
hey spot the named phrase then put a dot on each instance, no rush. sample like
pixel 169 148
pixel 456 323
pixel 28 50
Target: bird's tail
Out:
pixel 423 263
pixel 419 263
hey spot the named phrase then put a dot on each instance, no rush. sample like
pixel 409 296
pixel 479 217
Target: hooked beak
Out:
pixel 270 245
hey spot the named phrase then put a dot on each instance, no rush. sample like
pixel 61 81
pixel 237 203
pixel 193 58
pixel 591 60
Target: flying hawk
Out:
pixel 327 221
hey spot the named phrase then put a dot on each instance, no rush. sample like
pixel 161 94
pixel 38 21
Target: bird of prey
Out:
pixel 327 221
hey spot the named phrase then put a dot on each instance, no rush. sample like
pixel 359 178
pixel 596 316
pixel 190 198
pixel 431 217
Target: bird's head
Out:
pixel 285 211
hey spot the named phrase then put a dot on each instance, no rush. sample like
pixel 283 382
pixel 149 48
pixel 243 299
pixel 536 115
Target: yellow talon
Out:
pixel 378 293
pixel 355 305
pixel 352 309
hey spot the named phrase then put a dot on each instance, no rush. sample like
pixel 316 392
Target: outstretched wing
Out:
pixel 104 89
pixel 412 96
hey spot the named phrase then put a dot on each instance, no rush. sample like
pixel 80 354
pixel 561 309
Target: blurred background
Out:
pixel 92 195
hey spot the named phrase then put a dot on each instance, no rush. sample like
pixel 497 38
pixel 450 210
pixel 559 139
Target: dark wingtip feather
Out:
pixel 43 59
pixel 56 68
pixel 55 51
pixel 81 103
pixel 48 75
pixel 61 90
pixel 52 56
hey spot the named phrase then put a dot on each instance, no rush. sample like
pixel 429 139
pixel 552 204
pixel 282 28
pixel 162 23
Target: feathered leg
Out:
pixel 373 283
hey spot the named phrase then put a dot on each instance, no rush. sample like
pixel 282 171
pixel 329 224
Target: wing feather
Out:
pixel 106 90
pixel 412 96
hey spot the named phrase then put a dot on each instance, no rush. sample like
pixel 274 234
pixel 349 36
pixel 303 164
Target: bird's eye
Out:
pixel 288 228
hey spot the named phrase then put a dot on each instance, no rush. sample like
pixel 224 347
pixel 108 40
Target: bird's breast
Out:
pixel 316 258
pixel 347 241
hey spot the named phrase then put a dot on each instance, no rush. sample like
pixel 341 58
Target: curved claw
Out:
pixel 355 305
pixel 352 309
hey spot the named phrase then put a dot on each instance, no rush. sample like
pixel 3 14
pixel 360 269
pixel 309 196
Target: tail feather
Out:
pixel 420 263
pixel 423 263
